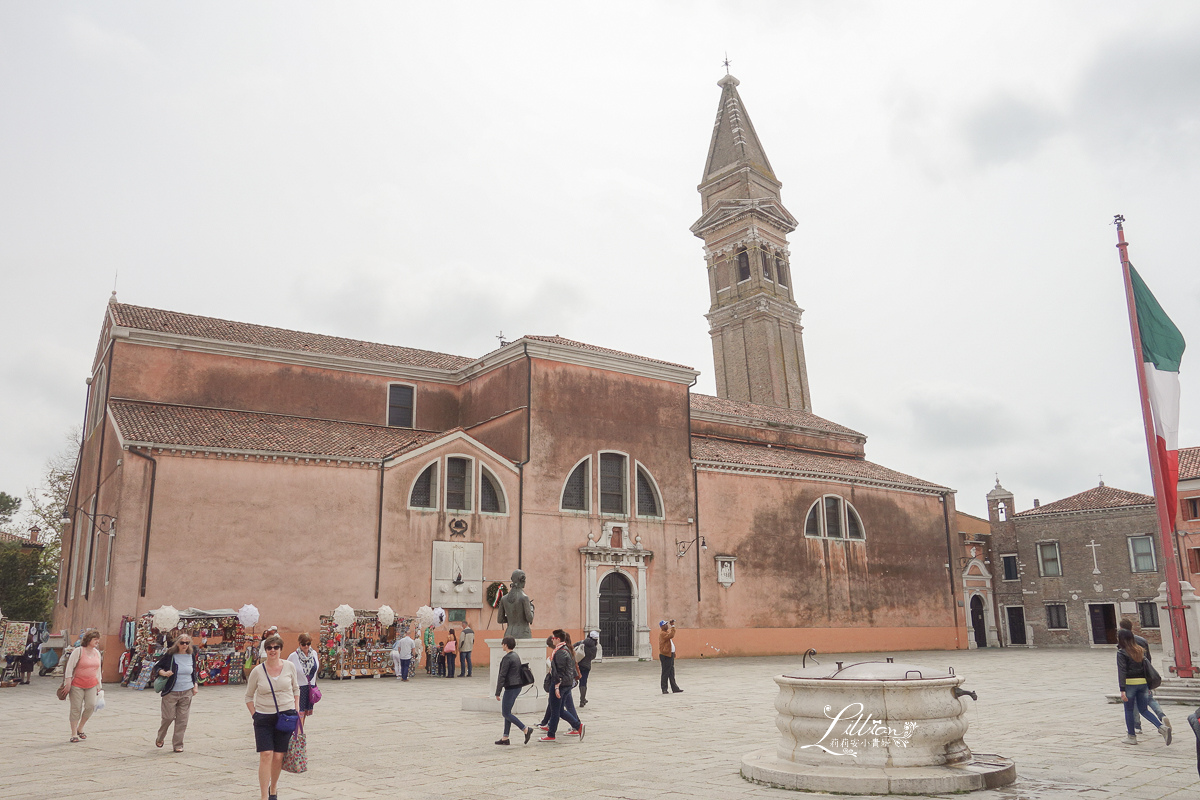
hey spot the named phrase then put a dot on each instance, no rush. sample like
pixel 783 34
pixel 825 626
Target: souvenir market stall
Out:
pixel 14 636
pixel 356 643
pixel 224 640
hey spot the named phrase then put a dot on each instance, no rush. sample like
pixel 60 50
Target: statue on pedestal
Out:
pixel 516 609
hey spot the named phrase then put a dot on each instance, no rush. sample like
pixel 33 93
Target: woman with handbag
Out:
pixel 305 660
pixel 450 651
pixel 272 697
pixel 81 679
pixel 176 678
pixel 508 685
pixel 1133 676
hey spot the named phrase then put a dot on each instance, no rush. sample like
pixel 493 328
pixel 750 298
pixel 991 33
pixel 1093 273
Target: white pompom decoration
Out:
pixel 343 616
pixel 426 618
pixel 165 618
pixel 248 615
pixel 386 616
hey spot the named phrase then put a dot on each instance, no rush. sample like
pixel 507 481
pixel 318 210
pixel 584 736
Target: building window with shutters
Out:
pixel 458 484
pixel 1049 565
pixel 1011 572
pixel 491 493
pixel 831 517
pixel 649 501
pixel 1191 507
pixel 781 271
pixel 1056 616
pixel 743 265
pixel 1148 613
pixel 424 489
pixel 612 484
pixel 400 405
pixel 765 258
pixel 576 492
pixel 1141 554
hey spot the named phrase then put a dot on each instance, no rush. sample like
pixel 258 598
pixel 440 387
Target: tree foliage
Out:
pixel 8 506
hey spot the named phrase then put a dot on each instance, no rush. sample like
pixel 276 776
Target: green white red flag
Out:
pixel 1162 352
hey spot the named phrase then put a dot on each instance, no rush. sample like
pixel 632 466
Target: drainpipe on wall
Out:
pixel 951 561
pixel 149 515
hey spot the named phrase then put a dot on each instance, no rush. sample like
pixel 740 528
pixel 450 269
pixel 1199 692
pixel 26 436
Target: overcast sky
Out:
pixel 429 176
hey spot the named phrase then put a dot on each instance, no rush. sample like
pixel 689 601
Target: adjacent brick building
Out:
pixel 1067 572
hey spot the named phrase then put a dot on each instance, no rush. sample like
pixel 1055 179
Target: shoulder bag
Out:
pixel 284 720
pixel 1153 679
pixel 526 674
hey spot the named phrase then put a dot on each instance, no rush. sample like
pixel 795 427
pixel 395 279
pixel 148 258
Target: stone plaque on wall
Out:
pixel 457 575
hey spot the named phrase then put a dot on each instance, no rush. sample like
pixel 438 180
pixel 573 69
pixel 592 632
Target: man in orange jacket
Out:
pixel 666 654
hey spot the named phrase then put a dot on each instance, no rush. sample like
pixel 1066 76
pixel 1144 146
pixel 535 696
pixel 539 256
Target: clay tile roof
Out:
pixel 22 540
pixel 753 455
pixel 1189 463
pixel 1097 499
pixel 595 349
pixel 768 414
pixel 187 426
pixel 153 319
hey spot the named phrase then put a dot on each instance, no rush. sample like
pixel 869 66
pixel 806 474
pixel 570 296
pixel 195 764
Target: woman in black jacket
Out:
pixel 508 684
pixel 178 666
pixel 1132 675
pixel 585 664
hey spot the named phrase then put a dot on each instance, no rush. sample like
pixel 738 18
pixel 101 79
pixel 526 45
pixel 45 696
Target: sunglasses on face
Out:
pixel 187 642
pixel 274 647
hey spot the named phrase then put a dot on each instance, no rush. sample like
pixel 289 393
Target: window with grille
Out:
pixel 833 518
pixel 766 263
pixel 1148 614
pixel 647 500
pixel 1048 564
pixel 1141 554
pixel 491 499
pixel 743 265
pixel 458 496
pixel 1011 573
pixel 781 271
pixel 1056 616
pixel 612 483
pixel 575 494
pixel 424 489
pixel 400 406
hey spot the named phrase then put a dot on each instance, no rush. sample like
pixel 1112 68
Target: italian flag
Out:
pixel 1162 350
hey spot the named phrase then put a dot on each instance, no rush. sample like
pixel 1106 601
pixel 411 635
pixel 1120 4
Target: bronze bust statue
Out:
pixel 516 609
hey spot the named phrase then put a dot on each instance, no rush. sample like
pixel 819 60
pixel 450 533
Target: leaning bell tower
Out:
pixel 754 322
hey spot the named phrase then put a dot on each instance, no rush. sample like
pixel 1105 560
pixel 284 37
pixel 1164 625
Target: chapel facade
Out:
pixel 298 471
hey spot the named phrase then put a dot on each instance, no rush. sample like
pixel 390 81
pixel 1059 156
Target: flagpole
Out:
pixel 1175 610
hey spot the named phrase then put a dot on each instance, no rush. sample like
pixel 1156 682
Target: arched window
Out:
pixel 612 483
pixel 491 495
pixel 424 490
pixel 649 504
pixel 575 492
pixel 831 517
pixel 743 264
pixel 781 271
pixel 766 263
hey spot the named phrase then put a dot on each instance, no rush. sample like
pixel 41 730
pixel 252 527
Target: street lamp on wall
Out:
pixel 682 546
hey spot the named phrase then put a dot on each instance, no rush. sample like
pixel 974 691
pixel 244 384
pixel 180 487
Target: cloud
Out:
pixel 1008 128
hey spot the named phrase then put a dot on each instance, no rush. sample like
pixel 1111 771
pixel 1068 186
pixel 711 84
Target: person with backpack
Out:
pixel 563 675
pixel 588 646
pixel 508 686
pixel 1133 674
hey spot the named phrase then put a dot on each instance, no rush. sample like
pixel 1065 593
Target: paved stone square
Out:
pixel 381 739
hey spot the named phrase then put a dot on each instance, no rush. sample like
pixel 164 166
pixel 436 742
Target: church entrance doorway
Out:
pixel 1103 617
pixel 978 622
pixel 1016 625
pixel 616 615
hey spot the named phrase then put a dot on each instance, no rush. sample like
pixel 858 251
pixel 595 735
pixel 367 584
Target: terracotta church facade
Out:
pixel 298 471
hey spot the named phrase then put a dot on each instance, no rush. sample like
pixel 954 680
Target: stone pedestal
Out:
pixel 1191 613
pixel 532 699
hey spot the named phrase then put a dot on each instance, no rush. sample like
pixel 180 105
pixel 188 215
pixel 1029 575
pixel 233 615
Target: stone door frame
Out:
pixel 598 561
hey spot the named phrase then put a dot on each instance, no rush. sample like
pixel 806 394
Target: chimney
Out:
pixel 1036 503
pixel 34 532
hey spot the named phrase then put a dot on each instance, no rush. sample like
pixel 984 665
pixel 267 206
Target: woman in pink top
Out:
pixel 450 650
pixel 82 675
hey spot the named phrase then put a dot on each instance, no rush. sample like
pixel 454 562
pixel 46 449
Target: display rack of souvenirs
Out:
pixel 14 638
pixel 220 639
pixel 363 650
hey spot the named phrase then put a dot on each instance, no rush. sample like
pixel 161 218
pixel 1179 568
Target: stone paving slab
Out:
pixel 380 738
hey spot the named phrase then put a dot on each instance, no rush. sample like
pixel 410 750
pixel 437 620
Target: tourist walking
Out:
pixel 307 664
pixel 562 681
pixel 508 689
pixel 585 664
pixel 272 691
pixel 262 645
pixel 178 666
pixel 403 655
pixel 82 677
pixel 430 650
pixel 546 685
pixel 1152 703
pixel 449 651
pixel 33 648
pixel 1132 675
pixel 465 645
pixel 666 655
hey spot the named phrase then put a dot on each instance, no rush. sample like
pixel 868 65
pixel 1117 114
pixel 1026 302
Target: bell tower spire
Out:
pixel 754 322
